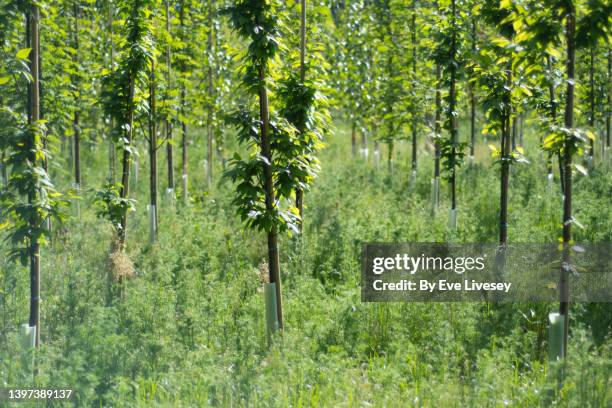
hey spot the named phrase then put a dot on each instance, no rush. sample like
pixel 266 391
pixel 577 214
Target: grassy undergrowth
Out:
pixel 190 329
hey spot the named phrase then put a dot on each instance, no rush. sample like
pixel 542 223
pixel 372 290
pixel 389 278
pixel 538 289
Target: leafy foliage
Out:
pixel 111 206
pixel 293 137
pixel 29 198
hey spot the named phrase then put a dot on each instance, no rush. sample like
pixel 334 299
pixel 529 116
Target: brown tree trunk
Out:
pixel 299 193
pixel 472 93
pixel 167 125
pixel 505 164
pixel 592 100
pixel 567 163
pixel 153 155
pixel 553 117
pixel 3 169
pixel 521 121
pixel 453 104
pixel 266 151
pixel 353 140
pixel 438 133
pixel 111 145
pixel 609 108
pixel 505 177
pixel 414 110
pixel 514 128
pixel 124 192
pixel 182 121
pixel 209 136
pixel 34 117
pixel 184 153
pixel 76 119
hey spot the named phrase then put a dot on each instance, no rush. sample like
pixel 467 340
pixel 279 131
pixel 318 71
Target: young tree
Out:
pixel 111 63
pixel 352 71
pixel 276 167
pixel 448 56
pixel 167 101
pixel 608 110
pixel 76 89
pixel 495 71
pixel 122 87
pixel 568 140
pixel 414 111
pixel 153 146
pixel 28 198
pixel 303 107
pixel 570 144
pixel 432 21
pixel 210 42
pixel 472 91
pixel 592 28
pixel 182 118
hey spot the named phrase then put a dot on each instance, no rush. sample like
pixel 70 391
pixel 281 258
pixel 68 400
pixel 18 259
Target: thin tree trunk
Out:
pixel 472 122
pixel 414 76
pixel 33 196
pixel 553 116
pixel 209 151
pixel 567 162
pixel 153 156
pixel 299 193
pixel 609 105
pixel 273 256
pixel 41 103
pixel 521 123
pixel 3 169
pixel 452 105
pixel 218 93
pixel 127 158
pixel 111 144
pixel 505 177
pixel 28 44
pixel 505 162
pixel 184 152
pixel 70 153
pixel 354 140
pixel 43 134
pixel 472 93
pixel 76 119
pixel 167 125
pixel 182 121
pixel 592 100
pixel 514 128
pixel 169 155
pixel 438 132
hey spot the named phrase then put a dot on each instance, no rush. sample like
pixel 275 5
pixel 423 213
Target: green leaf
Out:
pixel 4 80
pixel 553 52
pixel 23 53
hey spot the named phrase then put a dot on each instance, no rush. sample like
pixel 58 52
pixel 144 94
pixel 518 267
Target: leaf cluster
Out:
pixel 111 206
